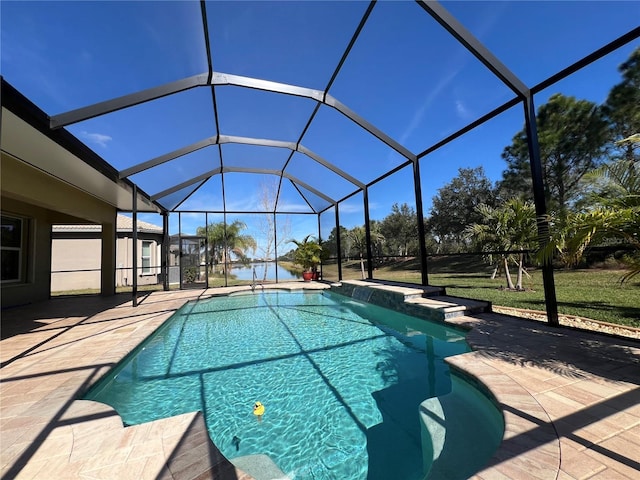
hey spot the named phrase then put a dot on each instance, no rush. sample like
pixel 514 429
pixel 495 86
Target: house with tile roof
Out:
pixel 76 255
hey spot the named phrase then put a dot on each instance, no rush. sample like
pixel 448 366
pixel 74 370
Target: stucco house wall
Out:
pixel 75 263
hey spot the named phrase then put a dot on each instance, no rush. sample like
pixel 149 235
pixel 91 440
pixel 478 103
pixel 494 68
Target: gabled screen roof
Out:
pixel 203 103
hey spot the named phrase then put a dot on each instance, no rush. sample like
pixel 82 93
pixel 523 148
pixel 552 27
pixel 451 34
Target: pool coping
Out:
pixel 44 428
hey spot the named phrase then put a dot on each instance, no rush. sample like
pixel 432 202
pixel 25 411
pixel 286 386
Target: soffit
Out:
pixel 27 144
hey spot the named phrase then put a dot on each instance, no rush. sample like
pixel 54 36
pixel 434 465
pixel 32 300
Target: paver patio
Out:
pixel 571 399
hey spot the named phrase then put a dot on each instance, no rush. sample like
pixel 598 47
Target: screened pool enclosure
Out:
pixel 248 124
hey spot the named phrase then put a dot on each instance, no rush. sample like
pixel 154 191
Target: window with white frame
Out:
pixel 13 235
pixel 146 257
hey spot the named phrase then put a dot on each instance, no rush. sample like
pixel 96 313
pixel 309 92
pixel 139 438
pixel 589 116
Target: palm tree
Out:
pixel 616 217
pixel 509 227
pixel 225 240
pixel 214 234
pixel 309 253
pixel 236 243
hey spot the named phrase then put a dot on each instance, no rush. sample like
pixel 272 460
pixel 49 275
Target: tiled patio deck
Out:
pixel 571 400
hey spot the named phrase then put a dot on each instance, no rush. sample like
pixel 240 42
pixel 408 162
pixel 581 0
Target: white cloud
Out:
pixel 97 138
pixel 346 208
pixel 202 202
pixel 430 97
pixel 291 206
pixel 462 110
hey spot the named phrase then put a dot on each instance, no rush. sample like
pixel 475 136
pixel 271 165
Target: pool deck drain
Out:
pixel 571 399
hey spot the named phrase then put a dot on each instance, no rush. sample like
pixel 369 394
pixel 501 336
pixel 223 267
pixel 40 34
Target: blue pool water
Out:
pixel 343 383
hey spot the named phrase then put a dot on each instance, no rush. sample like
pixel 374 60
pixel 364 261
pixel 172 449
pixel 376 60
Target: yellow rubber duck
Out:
pixel 258 409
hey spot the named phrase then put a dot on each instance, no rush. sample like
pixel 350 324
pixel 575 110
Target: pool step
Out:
pixel 460 431
pixel 452 306
pixel 420 301
pixel 260 467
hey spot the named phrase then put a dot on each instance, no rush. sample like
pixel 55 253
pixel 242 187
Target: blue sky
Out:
pixel 405 75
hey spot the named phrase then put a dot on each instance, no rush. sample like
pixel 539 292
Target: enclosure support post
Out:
pixel 164 269
pixel 226 249
pixel 421 229
pixel 541 208
pixel 275 242
pixel 367 230
pixel 180 249
pixel 134 247
pixel 206 248
pixel 338 247
pixel 224 228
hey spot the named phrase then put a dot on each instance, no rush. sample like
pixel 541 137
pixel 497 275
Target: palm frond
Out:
pixel 632 262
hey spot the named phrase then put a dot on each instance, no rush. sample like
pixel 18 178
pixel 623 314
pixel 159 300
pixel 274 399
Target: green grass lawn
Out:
pixel 592 293
pixel 595 294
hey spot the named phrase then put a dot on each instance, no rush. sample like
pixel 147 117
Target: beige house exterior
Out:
pixel 75 255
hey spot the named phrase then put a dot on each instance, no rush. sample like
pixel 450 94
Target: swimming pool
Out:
pixel 351 390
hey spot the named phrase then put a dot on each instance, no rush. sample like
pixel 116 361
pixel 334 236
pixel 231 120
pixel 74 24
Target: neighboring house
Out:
pixel 76 255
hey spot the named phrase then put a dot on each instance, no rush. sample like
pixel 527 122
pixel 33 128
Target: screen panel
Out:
pixel 66 55
pixel 282 41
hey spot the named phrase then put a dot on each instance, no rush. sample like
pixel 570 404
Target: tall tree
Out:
pixel 572 135
pixel 357 238
pixel 454 207
pixel 214 234
pixel 400 229
pixel 271 240
pixel 358 243
pixel 378 240
pixel 225 240
pixel 622 109
pixel 331 242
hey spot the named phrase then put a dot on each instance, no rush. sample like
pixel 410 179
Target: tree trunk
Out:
pixel 507 273
pixel 520 269
pixel 362 267
pixel 495 271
